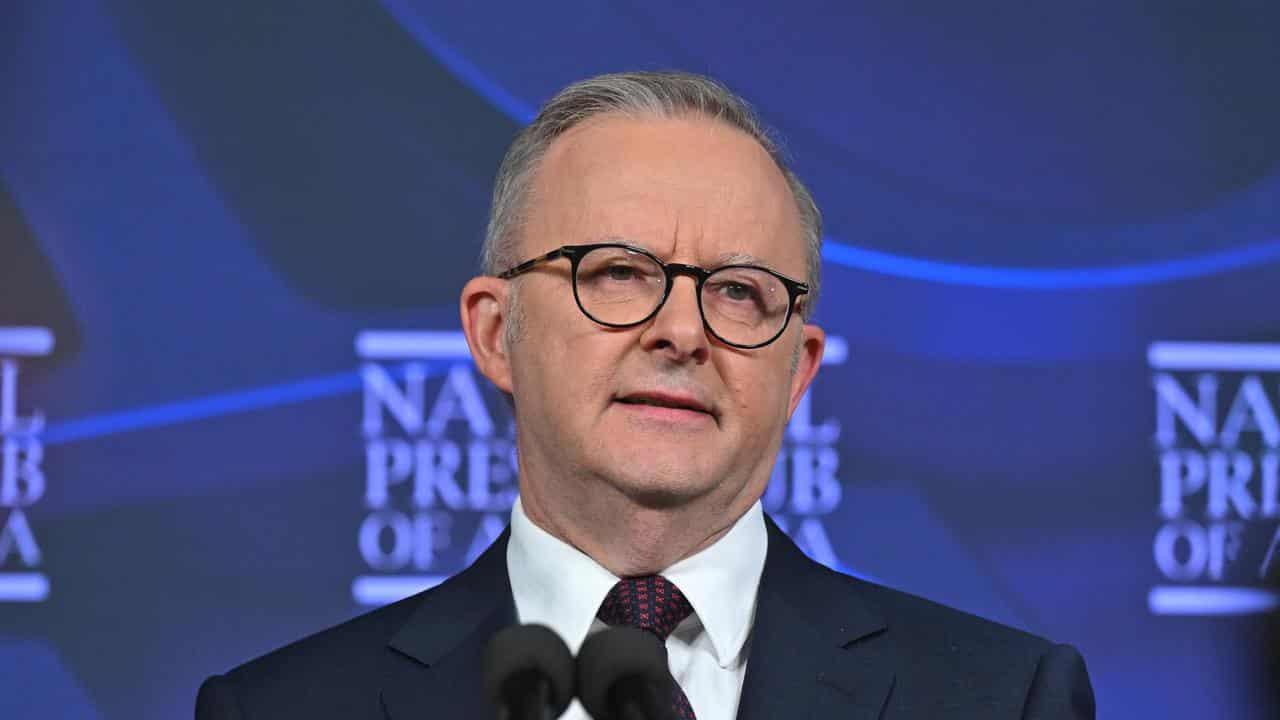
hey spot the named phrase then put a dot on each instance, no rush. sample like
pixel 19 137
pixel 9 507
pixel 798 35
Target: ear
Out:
pixel 483 307
pixel 810 358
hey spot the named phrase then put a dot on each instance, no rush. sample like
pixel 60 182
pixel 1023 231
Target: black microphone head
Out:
pixel 516 652
pixel 616 654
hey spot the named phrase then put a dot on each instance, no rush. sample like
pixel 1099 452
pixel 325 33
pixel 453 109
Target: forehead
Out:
pixel 691 189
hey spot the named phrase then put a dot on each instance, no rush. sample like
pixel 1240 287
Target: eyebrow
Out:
pixel 739 259
pixel 725 258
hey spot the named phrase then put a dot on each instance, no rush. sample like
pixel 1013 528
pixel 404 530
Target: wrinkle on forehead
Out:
pixel 689 190
pixel 724 258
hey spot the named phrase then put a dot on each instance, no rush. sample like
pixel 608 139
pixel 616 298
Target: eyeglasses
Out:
pixel 621 286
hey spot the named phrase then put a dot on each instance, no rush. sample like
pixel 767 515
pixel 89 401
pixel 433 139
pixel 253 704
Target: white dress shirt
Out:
pixel 556 585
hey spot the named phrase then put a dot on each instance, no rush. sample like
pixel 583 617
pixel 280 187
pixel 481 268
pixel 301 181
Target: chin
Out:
pixel 659 489
pixel 660 498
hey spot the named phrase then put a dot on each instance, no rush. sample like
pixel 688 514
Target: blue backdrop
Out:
pixel 235 408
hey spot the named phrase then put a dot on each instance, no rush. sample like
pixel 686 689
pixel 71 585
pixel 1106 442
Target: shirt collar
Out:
pixel 721 583
pixel 552 582
pixel 559 586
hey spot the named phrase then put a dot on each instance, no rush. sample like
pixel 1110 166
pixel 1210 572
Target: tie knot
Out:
pixel 650 603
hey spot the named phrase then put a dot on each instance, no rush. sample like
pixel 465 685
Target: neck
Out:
pixel 626 537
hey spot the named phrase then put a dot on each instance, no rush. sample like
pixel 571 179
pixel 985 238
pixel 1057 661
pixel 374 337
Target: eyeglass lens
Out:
pixel 744 306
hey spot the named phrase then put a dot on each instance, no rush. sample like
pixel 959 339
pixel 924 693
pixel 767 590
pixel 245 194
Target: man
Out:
pixel 651 264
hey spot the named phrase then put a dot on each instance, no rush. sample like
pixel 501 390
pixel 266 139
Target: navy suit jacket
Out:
pixel 824 645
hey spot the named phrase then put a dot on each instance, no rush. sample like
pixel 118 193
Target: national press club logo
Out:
pixel 1217 445
pixel 22 480
pixel 440 465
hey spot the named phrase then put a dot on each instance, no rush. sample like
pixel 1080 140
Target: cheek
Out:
pixel 760 400
pixel 573 372
pixel 762 389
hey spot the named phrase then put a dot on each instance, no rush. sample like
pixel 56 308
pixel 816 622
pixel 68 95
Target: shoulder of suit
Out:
pixel 912 620
pixel 347 649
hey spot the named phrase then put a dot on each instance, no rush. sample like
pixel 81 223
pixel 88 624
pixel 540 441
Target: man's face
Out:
pixel 587 397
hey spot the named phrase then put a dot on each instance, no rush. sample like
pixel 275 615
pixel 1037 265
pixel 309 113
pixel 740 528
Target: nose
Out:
pixel 677 330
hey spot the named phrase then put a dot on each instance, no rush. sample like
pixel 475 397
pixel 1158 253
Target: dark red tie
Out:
pixel 655 604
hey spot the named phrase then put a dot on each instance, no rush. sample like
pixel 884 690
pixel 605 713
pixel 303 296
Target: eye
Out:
pixel 620 273
pixel 737 291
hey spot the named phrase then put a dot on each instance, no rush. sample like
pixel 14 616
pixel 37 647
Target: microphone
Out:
pixel 528 673
pixel 623 675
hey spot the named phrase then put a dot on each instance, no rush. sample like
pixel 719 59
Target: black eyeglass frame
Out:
pixel 575 253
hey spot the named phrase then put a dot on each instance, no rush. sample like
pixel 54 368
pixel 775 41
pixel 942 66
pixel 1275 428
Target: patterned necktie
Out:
pixel 655 604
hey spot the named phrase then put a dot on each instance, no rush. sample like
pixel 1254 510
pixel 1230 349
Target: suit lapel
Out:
pixel 433 664
pixel 813 645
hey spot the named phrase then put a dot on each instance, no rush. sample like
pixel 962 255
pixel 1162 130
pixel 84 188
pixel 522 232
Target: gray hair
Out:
pixel 634 94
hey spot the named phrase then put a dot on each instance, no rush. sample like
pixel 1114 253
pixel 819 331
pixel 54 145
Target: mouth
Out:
pixel 666 401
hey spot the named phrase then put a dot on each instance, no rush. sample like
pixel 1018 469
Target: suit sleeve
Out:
pixel 217 700
pixel 1060 689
